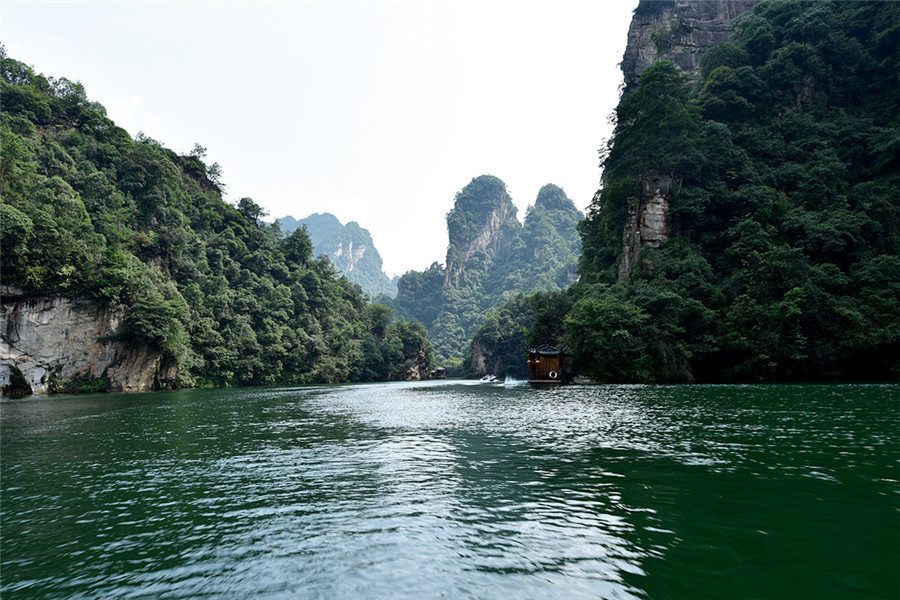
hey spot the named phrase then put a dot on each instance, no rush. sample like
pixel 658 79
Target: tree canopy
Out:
pixel 491 258
pixel 87 210
pixel 783 260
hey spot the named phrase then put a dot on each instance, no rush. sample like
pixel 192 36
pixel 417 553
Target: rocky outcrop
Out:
pixel 485 359
pixel 419 369
pixel 677 30
pixel 494 236
pixel 680 31
pixel 349 247
pixel 52 344
pixel 483 220
pixel 347 256
pixel 647 223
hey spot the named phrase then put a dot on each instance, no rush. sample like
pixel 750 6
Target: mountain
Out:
pixel 748 227
pixel 349 247
pixel 680 31
pixel 491 257
pixel 123 268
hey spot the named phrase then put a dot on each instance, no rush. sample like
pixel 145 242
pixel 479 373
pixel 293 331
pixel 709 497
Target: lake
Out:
pixel 453 489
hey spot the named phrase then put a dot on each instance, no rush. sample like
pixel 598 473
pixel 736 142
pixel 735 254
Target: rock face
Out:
pixel 352 255
pixel 484 359
pixel 677 30
pixel 349 247
pixel 52 342
pixel 419 370
pixel 495 230
pixel 680 31
pixel 647 223
pixel 491 258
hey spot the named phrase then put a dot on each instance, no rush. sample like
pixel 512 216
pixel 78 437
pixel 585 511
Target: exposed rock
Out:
pixel 483 361
pixel 53 341
pixel 419 370
pixel 647 223
pixel 349 247
pixel 491 258
pixel 351 255
pixel 680 31
pixel 677 30
pixel 494 215
pixel 492 237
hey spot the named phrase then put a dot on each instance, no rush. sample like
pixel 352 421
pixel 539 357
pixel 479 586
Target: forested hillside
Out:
pixel 86 210
pixel 350 248
pixel 491 258
pixel 777 173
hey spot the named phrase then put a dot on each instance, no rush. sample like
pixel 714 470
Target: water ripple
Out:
pixel 448 490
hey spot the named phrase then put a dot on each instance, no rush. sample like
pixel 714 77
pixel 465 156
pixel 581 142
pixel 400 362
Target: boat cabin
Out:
pixel 439 373
pixel 546 364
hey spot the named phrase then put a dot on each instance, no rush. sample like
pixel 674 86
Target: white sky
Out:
pixel 375 111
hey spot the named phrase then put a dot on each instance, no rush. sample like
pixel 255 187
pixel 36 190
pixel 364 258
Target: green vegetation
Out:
pixel 87 210
pixel 499 344
pixel 783 257
pixel 491 259
pixel 349 247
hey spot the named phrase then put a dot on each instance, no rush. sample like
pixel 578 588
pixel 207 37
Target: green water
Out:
pixel 451 490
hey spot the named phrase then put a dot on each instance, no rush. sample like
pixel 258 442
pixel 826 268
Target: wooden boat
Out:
pixel 439 373
pixel 546 365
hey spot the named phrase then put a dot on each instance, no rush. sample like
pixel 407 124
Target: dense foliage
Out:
pixel 491 258
pixel 350 248
pixel 499 345
pixel 784 255
pixel 87 210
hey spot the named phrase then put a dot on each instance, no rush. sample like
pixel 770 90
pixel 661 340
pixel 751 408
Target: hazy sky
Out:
pixel 376 111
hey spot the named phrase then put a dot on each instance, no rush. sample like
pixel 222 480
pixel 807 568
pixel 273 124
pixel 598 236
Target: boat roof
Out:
pixel 546 350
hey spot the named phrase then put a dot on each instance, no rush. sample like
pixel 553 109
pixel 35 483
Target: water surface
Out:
pixel 446 489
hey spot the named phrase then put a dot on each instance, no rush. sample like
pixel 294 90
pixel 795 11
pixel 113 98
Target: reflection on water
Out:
pixel 453 489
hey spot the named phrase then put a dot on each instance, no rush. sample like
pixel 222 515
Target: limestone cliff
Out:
pixel 647 223
pixel 419 369
pixel 57 344
pixel 680 31
pixel 349 247
pixel 352 254
pixel 677 30
pixel 491 258
pixel 483 221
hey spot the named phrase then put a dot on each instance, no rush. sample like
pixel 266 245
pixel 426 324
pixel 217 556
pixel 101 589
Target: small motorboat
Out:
pixel 489 379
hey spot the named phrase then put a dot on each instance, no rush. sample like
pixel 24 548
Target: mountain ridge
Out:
pixel 123 267
pixel 491 257
pixel 349 247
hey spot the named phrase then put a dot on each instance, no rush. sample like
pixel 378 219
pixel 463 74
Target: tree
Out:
pixel 297 247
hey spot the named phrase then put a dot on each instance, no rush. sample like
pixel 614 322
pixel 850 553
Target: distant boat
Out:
pixel 546 365
pixel 439 373
pixel 489 379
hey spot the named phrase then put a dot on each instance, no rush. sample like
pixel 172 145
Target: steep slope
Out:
pixel 349 247
pixel 546 255
pixel 118 253
pixel 480 227
pixel 748 226
pixel 680 31
pixel 490 258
